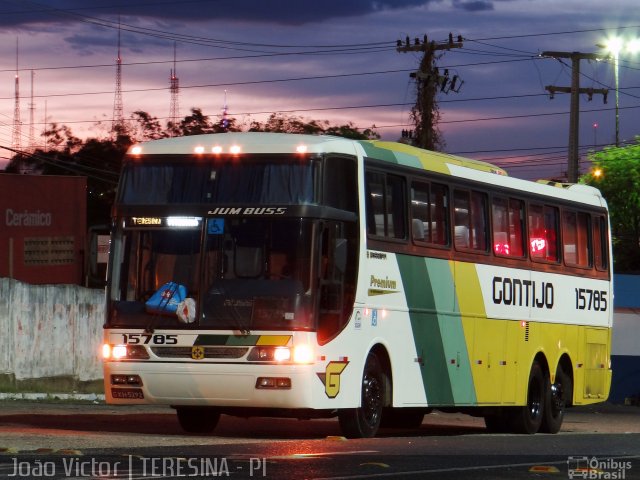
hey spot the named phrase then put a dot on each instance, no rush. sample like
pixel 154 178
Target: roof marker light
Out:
pixel 217 149
pixel 199 149
pixel 301 149
pixel 136 150
pixel 235 149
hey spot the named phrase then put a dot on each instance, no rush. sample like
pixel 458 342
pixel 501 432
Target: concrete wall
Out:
pixel 50 331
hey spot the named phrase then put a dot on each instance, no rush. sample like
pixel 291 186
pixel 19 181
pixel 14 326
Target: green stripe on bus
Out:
pixel 426 329
pixel 378 153
pixel 453 338
pixel 408 160
pixel 232 340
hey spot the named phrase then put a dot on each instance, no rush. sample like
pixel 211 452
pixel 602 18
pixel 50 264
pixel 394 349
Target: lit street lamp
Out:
pixel 614 46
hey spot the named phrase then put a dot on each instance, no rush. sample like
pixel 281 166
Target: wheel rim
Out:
pixel 371 399
pixel 557 399
pixel 535 400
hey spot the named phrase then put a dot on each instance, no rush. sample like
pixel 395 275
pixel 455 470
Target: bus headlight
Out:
pixel 282 354
pixel 124 352
pixel 302 353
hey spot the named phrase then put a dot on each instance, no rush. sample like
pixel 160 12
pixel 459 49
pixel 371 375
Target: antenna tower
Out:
pixel 225 121
pixel 32 112
pixel 17 146
pixel 174 89
pixel 118 116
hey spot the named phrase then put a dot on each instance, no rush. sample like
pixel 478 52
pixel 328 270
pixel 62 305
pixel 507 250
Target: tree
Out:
pixel 198 123
pixel 280 123
pixel 146 127
pixel 618 179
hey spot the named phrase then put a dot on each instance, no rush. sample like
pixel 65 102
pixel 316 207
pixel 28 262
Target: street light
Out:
pixel 614 46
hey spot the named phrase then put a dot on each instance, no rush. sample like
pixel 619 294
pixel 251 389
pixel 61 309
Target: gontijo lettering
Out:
pixel 522 293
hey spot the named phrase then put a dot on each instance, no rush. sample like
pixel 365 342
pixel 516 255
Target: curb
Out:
pixel 86 397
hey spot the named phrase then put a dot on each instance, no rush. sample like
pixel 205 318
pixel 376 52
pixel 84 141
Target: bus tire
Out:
pixel 198 419
pixel 528 418
pixel 555 402
pixel 364 421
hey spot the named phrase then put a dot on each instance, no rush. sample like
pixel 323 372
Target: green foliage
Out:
pixel 619 183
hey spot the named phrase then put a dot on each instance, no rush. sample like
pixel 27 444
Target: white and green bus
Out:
pixel 261 274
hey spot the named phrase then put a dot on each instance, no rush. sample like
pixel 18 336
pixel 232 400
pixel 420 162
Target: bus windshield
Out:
pixel 217 273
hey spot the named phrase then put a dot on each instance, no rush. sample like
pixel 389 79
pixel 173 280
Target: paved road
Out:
pixel 453 446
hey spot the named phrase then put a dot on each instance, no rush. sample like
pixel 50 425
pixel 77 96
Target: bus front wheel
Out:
pixel 528 418
pixel 198 419
pixel 364 421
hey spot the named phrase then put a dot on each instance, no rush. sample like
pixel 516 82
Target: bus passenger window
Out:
pixel 470 217
pixel 543 233
pixel 429 213
pixel 375 203
pixel 600 245
pixel 386 205
pixel 576 240
pixel 508 219
pixel 461 219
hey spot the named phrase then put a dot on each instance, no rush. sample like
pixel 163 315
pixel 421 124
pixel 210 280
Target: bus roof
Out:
pixel 392 152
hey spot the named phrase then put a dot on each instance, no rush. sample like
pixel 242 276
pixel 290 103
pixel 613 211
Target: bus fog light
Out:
pixel 273 383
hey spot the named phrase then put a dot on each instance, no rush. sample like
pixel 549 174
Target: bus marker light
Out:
pixel 217 149
pixel 235 149
pixel 199 150
pixel 136 150
pixel 301 149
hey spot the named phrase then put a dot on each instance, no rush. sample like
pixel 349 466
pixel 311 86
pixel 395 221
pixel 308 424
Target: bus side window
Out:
pixel 600 246
pixel 576 238
pixel 470 220
pixel 543 232
pixel 429 213
pixel 385 205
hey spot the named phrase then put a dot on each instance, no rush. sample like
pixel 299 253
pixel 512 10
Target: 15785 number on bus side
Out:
pixel 587 299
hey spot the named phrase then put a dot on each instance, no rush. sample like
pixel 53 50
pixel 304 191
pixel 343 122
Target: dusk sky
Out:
pixel 332 60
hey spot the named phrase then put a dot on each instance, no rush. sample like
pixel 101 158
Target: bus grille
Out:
pixel 209 352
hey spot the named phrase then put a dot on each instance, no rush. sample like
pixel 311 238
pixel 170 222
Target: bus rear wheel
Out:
pixel 556 399
pixel 198 419
pixel 527 419
pixel 364 421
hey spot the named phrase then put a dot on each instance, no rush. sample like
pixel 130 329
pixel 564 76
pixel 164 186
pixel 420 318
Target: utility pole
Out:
pixel 429 82
pixel 574 114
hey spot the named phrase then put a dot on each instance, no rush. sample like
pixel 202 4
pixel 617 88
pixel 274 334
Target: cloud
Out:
pixel 287 12
pixel 473 6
